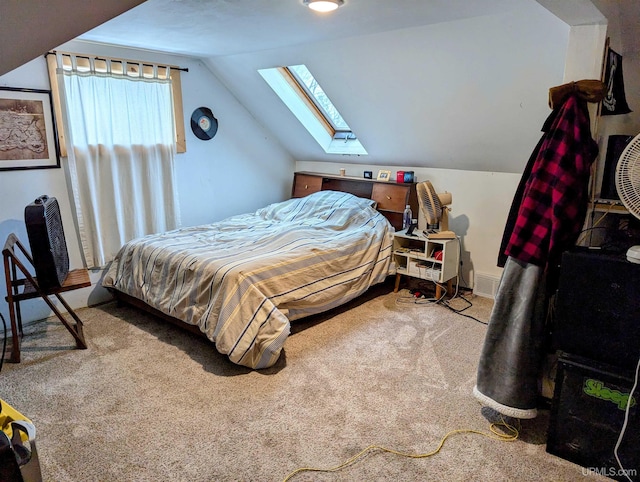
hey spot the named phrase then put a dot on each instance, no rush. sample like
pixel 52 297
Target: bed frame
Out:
pixel 125 299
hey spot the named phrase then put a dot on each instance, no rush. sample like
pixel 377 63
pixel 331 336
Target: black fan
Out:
pixel 47 242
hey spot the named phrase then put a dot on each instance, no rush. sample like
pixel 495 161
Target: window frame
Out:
pixel 295 97
pixel 131 67
pixel 304 91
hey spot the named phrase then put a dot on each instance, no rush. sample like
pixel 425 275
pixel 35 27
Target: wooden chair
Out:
pixel 26 288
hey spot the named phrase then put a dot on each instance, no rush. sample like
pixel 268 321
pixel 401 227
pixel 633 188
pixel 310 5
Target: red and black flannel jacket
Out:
pixel 555 195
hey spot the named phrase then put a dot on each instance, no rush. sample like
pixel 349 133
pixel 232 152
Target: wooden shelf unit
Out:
pixel 415 256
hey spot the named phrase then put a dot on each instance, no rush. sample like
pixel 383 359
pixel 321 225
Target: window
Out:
pixel 118 117
pixel 303 95
pixel 320 99
pixel 132 68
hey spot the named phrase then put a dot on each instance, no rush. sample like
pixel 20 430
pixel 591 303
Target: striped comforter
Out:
pixel 242 280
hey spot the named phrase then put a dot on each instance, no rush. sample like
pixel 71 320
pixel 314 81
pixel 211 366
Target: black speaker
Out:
pixel 597 313
pixel 47 242
pixel 588 414
pixel 615 146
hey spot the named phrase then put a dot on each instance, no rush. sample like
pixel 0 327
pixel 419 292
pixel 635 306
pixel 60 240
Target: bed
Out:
pixel 241 281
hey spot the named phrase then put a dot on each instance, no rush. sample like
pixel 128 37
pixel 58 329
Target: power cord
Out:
pixel 419 298
pixel 460 312
pixel 624 471
pixel 594 225
pixel 511 435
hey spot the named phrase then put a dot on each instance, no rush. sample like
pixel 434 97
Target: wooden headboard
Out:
pixel 391 197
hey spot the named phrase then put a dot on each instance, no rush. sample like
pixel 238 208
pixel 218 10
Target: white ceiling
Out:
pixel 208 28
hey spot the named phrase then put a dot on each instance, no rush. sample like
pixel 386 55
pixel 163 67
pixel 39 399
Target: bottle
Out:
pixel 406 217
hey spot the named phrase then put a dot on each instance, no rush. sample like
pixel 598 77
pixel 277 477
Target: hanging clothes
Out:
pixel 545 219
pixel 551 201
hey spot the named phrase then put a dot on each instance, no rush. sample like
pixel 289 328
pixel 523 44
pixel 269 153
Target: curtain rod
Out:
pixel 182 69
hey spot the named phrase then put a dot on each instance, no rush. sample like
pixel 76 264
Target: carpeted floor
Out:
pixel 149 401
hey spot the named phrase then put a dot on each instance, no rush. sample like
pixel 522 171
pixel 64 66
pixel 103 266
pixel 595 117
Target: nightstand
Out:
pixel 419 257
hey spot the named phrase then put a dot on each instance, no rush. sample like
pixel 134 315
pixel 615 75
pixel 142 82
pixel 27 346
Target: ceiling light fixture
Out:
pixel 323 5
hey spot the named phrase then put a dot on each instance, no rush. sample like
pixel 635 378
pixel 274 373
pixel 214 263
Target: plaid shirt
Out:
pixel 555 198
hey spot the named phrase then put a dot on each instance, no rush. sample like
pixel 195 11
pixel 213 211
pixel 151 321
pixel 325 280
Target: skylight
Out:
pixel 313 89
pixel 302 94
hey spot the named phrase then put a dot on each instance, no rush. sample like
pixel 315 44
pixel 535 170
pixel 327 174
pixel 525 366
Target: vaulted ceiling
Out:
pixel 208 28
pixel 29 29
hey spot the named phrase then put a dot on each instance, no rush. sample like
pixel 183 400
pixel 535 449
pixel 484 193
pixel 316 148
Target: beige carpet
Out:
pixel 149 401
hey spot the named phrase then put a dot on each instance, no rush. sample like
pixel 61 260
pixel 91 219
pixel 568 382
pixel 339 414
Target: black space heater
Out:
pixel 46 239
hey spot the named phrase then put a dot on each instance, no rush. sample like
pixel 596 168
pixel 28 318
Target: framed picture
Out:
pixel 28 137
pixel 384 175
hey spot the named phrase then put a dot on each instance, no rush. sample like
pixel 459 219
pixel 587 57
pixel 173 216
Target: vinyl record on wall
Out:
pixel 203 124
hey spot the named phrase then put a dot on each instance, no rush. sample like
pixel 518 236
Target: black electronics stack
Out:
pixel 597 333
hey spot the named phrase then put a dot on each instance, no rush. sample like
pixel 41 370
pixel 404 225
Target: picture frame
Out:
pixel 383 175
pixel 28 138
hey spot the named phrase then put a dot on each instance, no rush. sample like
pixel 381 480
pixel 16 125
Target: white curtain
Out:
pixel 121 150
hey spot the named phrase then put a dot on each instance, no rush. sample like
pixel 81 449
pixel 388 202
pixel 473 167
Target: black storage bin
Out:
pixel 587 416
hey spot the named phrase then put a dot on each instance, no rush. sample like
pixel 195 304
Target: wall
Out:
pixel 239 170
